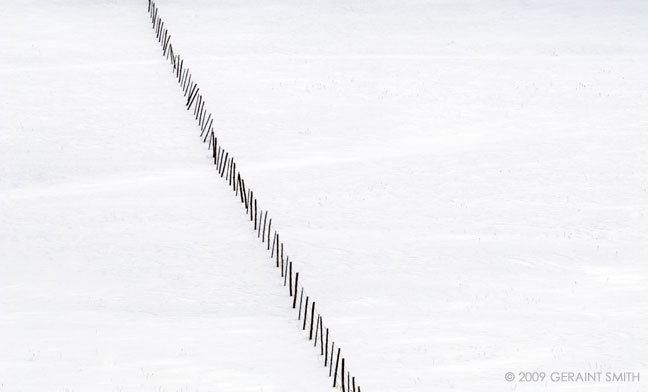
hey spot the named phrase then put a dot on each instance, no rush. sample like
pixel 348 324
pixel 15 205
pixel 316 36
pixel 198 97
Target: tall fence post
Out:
pixel 337 360
pixel 310 336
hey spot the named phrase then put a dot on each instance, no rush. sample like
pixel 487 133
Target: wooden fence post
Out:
pixel 290 278
pixel 348 381
pixel 285 270
pixel 224 166
pixel 310 336
pixel 296 282
pixel 305 313
pixel 317 324
pixel 321 323
pixel 265 218
pixel 326 348
pixel 342 376
pixel 274 240
pixel 337 360
pixel 192 97
pixel 240 189
pixel 301 297
pixel 277 251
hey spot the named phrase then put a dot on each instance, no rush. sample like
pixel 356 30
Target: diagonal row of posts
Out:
pixel 310 320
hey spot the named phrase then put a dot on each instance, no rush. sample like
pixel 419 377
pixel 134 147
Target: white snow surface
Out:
pixel 463 187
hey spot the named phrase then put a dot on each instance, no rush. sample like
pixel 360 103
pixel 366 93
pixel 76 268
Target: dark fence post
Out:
pixel 224 166
pixel 337 360
pixel 310 336
pixel 331 360
pixel 290 278
pixel 348 381
pixel 305 313
pixel 274 240
pixel 265 218
pixel 192 97
pixel 282 261
pixel 326 349
pixel 321 325
pixel 250 203
pixel 317 324
pixel 285 270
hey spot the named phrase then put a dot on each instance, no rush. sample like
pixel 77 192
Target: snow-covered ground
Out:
pixel 125 264
pixel 463 186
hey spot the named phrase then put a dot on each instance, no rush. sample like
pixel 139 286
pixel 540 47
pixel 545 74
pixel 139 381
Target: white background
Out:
pixel 462 185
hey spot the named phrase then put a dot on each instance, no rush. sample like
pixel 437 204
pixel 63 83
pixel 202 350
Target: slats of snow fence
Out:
pixel 309 319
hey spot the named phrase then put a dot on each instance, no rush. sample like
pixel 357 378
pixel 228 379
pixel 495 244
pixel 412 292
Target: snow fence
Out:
pixel 310 320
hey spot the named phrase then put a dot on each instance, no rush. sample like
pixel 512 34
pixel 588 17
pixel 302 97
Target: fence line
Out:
pixel 312 321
